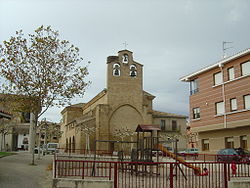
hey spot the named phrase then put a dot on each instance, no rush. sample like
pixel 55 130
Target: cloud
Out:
pixel 170 38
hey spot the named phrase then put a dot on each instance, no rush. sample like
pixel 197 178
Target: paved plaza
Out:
pixel 16 171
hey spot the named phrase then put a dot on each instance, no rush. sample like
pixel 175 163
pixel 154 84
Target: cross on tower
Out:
pixel 125 45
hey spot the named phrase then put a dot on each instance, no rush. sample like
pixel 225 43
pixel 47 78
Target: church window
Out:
pixel 125 58
pixel 116 70
pixel 133 71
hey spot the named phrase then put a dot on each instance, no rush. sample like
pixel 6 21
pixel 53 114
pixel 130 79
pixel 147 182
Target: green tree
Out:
pixel 43 67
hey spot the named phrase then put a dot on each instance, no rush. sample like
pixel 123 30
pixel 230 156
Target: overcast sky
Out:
pixel 171 38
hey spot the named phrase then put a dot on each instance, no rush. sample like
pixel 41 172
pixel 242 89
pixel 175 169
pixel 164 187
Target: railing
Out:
pixel 125 156
pixel 152 175
pixel 63 153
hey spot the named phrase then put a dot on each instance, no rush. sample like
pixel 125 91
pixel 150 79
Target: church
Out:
pixel 119 107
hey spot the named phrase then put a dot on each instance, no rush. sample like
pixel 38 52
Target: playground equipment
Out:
pixel 197 170
pixel 147 142
pixel 148 147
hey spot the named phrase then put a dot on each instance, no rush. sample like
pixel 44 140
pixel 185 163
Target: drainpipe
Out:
pixel 223 96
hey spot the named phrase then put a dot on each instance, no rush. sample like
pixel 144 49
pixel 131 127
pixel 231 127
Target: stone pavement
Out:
pixel 16 171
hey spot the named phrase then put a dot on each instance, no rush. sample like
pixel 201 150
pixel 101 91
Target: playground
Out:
pixel 145 166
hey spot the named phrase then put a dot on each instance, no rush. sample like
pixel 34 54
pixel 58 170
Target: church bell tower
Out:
pixel 124 79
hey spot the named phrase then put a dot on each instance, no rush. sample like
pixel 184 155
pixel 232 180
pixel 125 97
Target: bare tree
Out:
pixel 123 133
pixel 44 69
pixel 49 130
pixel 88 131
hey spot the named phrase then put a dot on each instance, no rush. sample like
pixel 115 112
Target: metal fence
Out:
pixel 152 175
pixel 161 156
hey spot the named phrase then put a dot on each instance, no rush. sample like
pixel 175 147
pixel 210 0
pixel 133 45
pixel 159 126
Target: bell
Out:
pixel 133 74
pixel 116 72
pixel 125 58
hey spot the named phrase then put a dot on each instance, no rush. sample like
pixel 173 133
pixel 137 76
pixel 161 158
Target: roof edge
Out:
pixel 217 64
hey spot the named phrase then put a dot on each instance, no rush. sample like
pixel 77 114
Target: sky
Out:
pixel 170 38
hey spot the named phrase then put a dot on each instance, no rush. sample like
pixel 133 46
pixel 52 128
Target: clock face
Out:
pixel 125 58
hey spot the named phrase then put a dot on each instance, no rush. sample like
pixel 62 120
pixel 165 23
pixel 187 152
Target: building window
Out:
pixel 230 72
pixel 243 142
pixel 205 144
pixel 245 68
pixel 229 142
pixel 233 104
pixel 246 101
pixel 219 108
pixel 196 113
pixel 194 86
pixel 163 125
pixel 116 70
pixel 174 125
pixel 25 117
pixel 218 78
pixel 133 71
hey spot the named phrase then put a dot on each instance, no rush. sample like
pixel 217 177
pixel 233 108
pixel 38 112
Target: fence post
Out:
pixel 110 166
pixel 228 168
pixel 225 175
pixel 54 165
pixel 115 176
pixel 171 175
pixel 83 170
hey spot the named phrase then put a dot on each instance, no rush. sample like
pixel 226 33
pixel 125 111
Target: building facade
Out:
pixel 15 128
pixel 220 103
pixel 123 104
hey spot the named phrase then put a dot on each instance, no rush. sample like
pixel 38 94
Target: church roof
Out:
pixel 166 114
pixel 125 51
pixel 96 98
pixel 78 105
pixel 148 95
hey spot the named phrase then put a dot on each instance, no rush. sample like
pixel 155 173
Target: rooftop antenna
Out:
pixel 224 48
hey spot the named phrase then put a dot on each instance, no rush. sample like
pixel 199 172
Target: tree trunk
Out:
pixel 2 142
pixel 39 145
pixel 32 135
pixel 45 140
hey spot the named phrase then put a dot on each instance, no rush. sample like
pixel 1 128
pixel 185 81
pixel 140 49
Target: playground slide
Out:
pixel 197 170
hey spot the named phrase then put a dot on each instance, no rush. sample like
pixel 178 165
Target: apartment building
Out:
pixel 220 103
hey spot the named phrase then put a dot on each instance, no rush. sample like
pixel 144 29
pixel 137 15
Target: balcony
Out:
pixel 192 92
